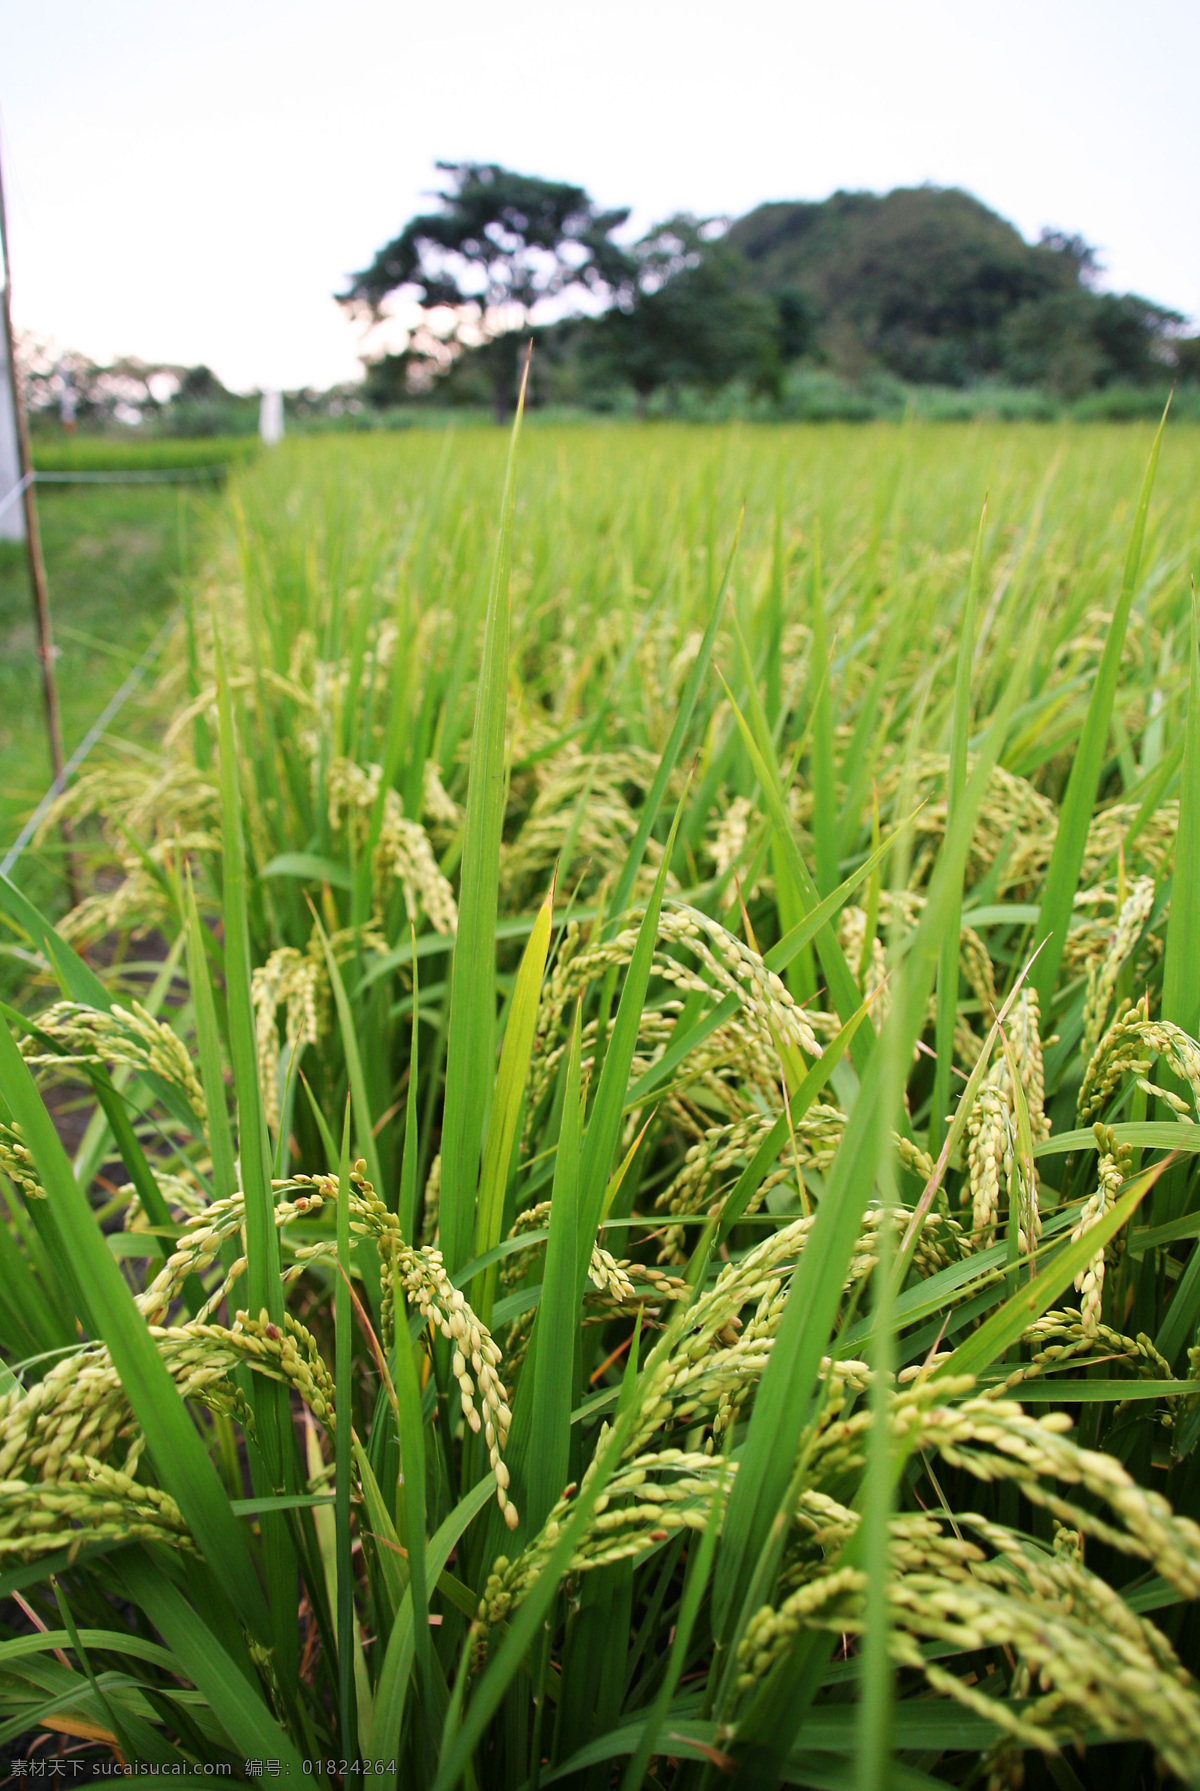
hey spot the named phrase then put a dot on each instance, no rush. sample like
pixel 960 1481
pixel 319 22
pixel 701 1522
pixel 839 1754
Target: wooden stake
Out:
pixel 33 543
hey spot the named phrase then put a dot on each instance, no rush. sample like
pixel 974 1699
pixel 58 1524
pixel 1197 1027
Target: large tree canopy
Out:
pixel 691 316
pixel 499 244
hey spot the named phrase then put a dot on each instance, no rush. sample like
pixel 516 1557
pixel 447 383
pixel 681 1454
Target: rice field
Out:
pixel 603 1189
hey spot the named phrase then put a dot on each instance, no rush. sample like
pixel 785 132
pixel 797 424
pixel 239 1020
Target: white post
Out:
pixel 270 417
pixel 66 398
pixel 12 516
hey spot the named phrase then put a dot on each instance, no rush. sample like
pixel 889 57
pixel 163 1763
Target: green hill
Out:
pixel 932 285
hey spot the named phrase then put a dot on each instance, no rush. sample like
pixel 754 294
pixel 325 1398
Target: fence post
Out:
pixel 33 545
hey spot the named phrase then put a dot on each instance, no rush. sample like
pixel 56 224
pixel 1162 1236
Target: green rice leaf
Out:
pixel 623 888
pixel 392 1685
pixel 471 1040
pixel 235 1703
pixel 263 1268
pixel 842 985
pixel 1062 876
pixel 603 1130
pixel 956 783
pixel 411 1498
pixel 511 1079
pixel 557 1322
pixel 695 1585
pixel 1181 987
pixel 343 1369
pixel 823 773
pixel 262 1243
pixel 360 1100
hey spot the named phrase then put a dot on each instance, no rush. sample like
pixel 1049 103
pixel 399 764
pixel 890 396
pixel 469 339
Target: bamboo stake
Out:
pixel 33 544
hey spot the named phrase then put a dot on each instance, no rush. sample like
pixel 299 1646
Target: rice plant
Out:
pixel 631 1076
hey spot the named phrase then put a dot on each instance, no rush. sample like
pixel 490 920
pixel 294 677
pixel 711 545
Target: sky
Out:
pixel 194 183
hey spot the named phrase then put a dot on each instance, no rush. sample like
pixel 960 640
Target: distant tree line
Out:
pixel 843 307
pixel 926 285
pixel 66 387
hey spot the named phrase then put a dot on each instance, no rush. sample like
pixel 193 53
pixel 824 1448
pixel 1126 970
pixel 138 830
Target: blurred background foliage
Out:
pixel 854 307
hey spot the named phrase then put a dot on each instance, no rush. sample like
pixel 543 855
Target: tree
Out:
pixel 1079 254
pixel 799 320
pixel 498 245
pixel 1076 341
pixel 1049 342
pixel 691 316
pixel 1185 356
pixel 1135 337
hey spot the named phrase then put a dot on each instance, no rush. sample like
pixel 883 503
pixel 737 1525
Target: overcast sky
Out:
pixel 193 182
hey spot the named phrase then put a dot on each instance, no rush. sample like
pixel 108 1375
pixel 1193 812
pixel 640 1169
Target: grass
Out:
pixel 59 453
pixel 557 1249
pixel 113 557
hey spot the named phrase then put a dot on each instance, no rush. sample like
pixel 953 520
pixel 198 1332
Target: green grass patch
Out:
pixel 121 454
